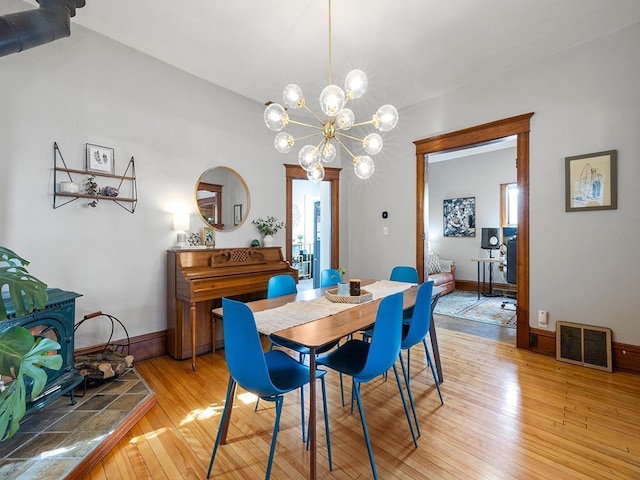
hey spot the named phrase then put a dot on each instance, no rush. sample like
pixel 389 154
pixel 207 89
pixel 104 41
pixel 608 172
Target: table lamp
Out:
pixel 181 223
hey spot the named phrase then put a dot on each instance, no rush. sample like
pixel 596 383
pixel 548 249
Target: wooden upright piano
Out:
pixel 196 281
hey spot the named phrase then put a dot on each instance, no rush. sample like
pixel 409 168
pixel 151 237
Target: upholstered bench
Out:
pixel 442 272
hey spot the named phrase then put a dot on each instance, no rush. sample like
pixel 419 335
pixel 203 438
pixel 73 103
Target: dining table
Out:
pixel 310 320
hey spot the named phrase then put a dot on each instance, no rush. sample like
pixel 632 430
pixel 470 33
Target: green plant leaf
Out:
pixel 39 357
pixel 14 345
pixel 19 350
pixel 26 291
pixel 12 408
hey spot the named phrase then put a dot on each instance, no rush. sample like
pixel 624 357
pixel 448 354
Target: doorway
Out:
pixel 519 126
pixel 312 223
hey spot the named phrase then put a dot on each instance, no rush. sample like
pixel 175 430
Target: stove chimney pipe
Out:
pixel 23 30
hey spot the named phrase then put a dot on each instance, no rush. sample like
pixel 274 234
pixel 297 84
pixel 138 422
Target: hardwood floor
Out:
pixel 508 414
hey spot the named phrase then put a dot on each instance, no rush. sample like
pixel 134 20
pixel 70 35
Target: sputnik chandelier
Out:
pixel 339 119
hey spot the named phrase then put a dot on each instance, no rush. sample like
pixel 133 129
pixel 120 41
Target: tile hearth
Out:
pixel 56 441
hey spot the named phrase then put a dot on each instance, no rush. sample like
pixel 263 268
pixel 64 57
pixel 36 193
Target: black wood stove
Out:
pixel 56 321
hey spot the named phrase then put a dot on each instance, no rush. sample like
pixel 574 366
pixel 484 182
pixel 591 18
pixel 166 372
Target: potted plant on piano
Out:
pixel 21 355
pixel 268 227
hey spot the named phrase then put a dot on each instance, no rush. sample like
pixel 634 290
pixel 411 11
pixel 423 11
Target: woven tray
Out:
pixel 332 296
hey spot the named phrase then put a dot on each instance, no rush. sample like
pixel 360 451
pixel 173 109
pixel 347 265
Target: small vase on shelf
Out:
pixel 343 289
pixel 267 241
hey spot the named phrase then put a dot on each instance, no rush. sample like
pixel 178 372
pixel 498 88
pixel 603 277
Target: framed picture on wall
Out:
pixel 459 219
pixel 209 237
pixel 237 214
pixel 591 182
pixel 99 159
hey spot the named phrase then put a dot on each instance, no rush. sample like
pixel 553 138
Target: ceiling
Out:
pixel 411 50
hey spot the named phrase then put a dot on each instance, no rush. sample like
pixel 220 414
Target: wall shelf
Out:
pixel 129 178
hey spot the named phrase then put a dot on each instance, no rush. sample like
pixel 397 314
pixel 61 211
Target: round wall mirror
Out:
pixel 222 198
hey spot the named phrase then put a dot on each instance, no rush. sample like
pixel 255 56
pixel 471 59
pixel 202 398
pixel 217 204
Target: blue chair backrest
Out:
pixel 403 273
pixel 421 318
pixel 279 285
pixel 329 277
pixel 243 350
pixel 386 337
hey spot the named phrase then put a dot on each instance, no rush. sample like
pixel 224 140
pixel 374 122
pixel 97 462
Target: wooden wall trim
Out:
pixel 143 347
pixel 331 174
pixel 518 125
pixel 625 357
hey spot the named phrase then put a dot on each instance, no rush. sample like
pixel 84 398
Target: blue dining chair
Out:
pixel 277 286
pixel 415 332
pixel 402 273
pixel 364 361
pixel 268 375
pixel 329 277
pixel 280 285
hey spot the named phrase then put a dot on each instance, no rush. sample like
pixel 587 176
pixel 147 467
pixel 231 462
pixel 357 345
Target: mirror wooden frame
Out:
pixel 217 198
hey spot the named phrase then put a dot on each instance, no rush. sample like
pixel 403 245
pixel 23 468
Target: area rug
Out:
pixel 466 305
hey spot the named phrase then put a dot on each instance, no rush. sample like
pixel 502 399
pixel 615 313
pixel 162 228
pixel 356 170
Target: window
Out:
pixel 508 204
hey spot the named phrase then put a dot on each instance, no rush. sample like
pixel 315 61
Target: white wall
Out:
pixel 476 176
pixel 585 266
pixel 88 88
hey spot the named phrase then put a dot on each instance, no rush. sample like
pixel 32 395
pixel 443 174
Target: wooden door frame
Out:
pixel 331 174
pixel 520 126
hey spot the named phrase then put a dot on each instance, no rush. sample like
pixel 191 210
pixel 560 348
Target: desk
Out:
pixel 482 261
pixel 326 330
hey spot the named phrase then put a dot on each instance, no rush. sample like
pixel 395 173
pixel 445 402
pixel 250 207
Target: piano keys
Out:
pixel 196 281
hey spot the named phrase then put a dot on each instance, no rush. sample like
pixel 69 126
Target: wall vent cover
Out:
pixel 584 345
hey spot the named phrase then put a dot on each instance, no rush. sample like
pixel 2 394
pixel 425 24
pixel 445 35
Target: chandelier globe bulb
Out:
pixel 386 118
pixel 363 167
pixel 316 174
pixel 283 142
pixel 308 157
pixel 275 117
pixel 328 153
pixel 345 120
pixel 356 84
pixel 332 100
pixel 292 96
pixel 372 143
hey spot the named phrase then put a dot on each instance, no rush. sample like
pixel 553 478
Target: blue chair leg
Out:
pixel 276 429
pixel 225 413
pixel 405 372
pixel 356 390
pixel 404 403
pixel 326 422
pixel 433 370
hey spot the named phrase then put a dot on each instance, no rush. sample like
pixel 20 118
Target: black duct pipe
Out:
pixel 23 30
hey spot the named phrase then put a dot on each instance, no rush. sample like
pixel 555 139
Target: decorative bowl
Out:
pixel 332 296
pixel 69 187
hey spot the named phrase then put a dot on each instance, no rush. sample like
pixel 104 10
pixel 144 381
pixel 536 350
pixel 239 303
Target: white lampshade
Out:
pixel 181 221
